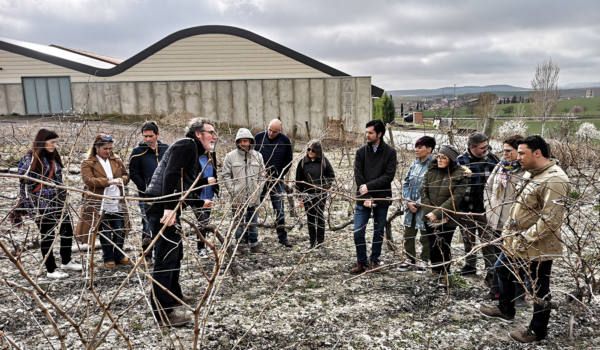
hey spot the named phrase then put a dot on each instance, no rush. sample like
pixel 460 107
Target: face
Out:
pixel 208 137
pixel 527 158
pixel 310 153
pixel 104 151
pixel 274 130
pixel 509 153
pixel 245 144
pixel 50 145
pixel 442 161
pixel 371 135
pixel 422 152
pixel 150 138
pixel 480 150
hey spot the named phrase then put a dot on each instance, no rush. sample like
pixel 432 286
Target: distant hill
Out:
pixel 459 90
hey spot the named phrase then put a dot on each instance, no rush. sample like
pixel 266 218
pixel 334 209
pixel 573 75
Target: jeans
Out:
pixel 203 218
pixel 246 225
pixel 168 253
pixel 539 273
pixel 314 206
pixel 361 219
pixel 112 236
pixel 440 240
pixel 410 234
pixel 47 224
pixel 276 191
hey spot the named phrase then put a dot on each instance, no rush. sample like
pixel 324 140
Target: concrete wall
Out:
pixel 250 103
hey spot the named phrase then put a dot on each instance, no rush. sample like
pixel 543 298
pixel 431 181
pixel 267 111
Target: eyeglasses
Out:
pixel 210 132
pixel 441 156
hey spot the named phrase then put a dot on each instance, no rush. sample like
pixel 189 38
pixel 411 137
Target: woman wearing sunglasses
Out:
pixel 103 173
pixel 314 176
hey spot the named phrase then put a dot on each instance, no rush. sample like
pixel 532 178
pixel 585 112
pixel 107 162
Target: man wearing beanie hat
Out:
pixel 411 192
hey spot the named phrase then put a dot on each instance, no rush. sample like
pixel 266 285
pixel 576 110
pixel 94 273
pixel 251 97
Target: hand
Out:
pixel 412 207
pixel 368 203
pixel 519 244
pixel 363 189
pixel 118 181
pixel 168 217
pixel 431 217
pixel 300 203
pixel 208 203
pixel 212 180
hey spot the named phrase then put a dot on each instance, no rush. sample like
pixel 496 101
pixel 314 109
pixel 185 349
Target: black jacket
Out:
pixel 143 162
pixel 481 168
pixel 180 160
pixel 277 154
pixel 318 173
pixel 376 170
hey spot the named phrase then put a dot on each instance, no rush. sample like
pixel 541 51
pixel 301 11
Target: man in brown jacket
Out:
pixel 532 238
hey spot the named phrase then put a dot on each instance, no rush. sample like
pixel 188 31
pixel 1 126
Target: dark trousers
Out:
pixel 361 219
pixel 203 218
pixel 440 240
pixel 276 192
pixel 168 252
pixel 112 236
pixel 473 226
pixel 47 223
pixel 410 235
pixel 314 205
pixel 539 273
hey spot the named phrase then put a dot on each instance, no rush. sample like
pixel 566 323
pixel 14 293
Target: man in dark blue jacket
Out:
pixel 142 163
pixel 277 152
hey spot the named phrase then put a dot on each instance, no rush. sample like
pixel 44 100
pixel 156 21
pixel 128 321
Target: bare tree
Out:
pixel 486 109
pixel 545 90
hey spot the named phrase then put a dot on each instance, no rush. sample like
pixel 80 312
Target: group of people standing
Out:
pixel 510 203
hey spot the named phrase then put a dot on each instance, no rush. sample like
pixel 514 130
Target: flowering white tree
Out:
pixel 587 131
pixel 512 127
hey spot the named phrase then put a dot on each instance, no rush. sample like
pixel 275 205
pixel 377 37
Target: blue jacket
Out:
pixel 143 162
pixel 411 191
pixel 277 154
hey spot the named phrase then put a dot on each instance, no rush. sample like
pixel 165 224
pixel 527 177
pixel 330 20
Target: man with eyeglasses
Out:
pixel 276 150
pixel 142 163
pixel 175 175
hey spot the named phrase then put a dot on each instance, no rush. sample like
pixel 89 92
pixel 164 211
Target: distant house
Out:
pixel 224 73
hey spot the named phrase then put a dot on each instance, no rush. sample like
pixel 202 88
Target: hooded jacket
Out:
pixel 443 189
pixel 537 215
pixel 244 172
pixel 143 162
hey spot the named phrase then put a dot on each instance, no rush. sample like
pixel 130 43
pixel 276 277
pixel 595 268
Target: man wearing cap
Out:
pixel 243 175
pixel 277 152
pixel 374 169
pixel 411 193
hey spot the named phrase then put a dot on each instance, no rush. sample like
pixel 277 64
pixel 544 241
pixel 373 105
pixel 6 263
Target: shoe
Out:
pixel 110 265
pixel 406 265
pixel 203 253
pixel 57 275
pixel 71 266
pixel 82 247
pixel 468 270
pixel 177 318
pixel 358 268
pixel 286 244
pixel 188 300
pixel 491 295
pixel 373 265
pixel 523 335
pixel 420 267
pixel 443 281
pixel 493 311
pixel 124 261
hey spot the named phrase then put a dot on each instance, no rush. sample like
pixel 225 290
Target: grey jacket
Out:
pixel 243 175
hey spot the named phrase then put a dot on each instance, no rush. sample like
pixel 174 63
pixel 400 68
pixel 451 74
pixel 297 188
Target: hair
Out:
pixel 513 141
pixel 377 125
pixel 197 124
pixel 99 142
pixel 150 126
pixel 38 150
pixel 536 142
pixel 476 138
pixel 426 141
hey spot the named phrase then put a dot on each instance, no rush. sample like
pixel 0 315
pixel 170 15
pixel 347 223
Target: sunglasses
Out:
pixel 106 138
pixel 310 150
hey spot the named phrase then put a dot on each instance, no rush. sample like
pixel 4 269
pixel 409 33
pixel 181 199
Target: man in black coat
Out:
pixel 174 176
pixel 374 169
pixel 142 163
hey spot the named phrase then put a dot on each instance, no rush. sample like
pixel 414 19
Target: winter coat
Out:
pixel 95 180
pixel 244 174
pixel 481 168
pixel 537 215
pixel 443 189
pixel 143 162
pixel 180 159
pixel 33 195
pixel 376 170
pixel 277 154
pixel 313 176
pixel 411 191
pixel 499 194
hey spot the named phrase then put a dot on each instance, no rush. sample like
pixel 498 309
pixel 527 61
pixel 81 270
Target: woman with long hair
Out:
pixel 103 173
pixel 42 162
pixel 314 175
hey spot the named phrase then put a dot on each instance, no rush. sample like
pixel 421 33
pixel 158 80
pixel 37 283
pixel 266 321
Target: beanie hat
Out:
pixel 449 151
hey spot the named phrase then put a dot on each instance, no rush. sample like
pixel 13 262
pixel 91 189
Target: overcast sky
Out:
pixel 401 44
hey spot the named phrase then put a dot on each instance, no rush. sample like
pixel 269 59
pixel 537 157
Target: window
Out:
pixel 47 95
